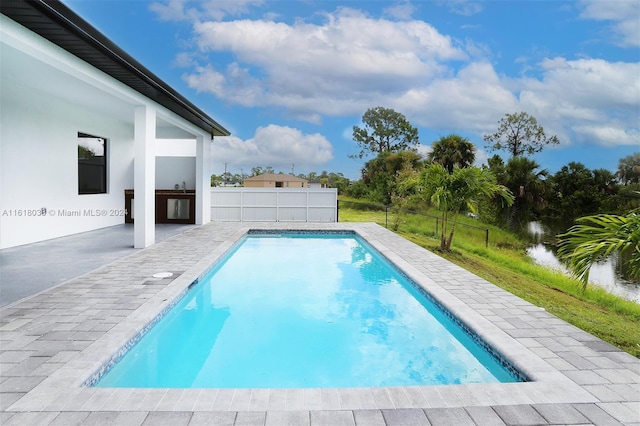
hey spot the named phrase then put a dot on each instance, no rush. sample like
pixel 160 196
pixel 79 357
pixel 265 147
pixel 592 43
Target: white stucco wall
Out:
pixel 47 96
pixel 38 167
pixel 175 170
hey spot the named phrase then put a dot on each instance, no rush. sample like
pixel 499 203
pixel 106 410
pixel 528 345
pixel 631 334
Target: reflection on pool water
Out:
pixel 304 310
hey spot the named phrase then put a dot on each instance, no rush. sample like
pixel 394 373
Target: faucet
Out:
pixel 184 187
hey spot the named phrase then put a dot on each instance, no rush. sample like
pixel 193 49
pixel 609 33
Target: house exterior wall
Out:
pixel 317 185
pixel 259 184
pixel 39 167
pixel 272 184
pixel 175 170
pixel 48 96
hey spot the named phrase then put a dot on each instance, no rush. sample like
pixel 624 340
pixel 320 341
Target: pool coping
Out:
pixel 516 373
pixel 566 365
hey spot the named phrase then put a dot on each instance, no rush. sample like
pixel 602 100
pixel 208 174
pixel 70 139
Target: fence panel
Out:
pixel 274 205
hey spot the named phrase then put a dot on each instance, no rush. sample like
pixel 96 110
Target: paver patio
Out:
pixel 51 343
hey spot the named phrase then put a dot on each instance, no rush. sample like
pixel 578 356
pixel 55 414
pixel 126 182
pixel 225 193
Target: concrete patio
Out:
pixel 52 342
pixel 29 269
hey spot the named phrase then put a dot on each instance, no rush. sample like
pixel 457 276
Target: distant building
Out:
pixel 317 184
pixel 270 180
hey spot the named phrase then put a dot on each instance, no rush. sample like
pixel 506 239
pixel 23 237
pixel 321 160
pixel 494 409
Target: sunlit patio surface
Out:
pixel 53 341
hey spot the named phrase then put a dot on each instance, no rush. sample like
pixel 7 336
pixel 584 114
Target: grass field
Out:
pixel 504 263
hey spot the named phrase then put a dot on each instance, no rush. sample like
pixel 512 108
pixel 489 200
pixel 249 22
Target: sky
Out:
pixel 290 79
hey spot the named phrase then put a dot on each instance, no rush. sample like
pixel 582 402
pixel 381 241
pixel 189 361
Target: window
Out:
pixel 92 164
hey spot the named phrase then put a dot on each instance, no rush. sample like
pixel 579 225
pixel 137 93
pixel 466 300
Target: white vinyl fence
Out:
pixel 274 205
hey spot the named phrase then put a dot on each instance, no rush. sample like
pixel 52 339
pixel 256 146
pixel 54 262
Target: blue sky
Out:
pixel 290 79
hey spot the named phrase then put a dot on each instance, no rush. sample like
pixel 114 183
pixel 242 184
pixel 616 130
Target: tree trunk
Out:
pixel 448 248
pixel 443 232
pixel 453 228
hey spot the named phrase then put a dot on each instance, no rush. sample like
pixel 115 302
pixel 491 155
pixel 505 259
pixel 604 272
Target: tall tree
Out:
pixel 605 181
pixel 385 130
pixel 453 150
pixel 453 193
pixel 216 181
pixel 380 174
pixel 629 169
pixel 579 191
pixel 519 134
pixel 337 180
pixel 528 184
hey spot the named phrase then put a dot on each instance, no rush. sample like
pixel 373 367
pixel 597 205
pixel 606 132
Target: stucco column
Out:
pixel 203 180
pixel 144 177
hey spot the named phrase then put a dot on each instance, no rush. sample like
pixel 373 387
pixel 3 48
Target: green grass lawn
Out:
pixel 505 263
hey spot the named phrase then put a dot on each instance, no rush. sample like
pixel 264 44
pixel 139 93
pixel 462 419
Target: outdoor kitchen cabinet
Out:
pixel 172 206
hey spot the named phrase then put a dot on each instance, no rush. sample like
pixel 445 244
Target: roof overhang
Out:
pixel 57 23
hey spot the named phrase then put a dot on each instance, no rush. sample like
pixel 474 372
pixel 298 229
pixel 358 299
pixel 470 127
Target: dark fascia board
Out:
pixel 60 25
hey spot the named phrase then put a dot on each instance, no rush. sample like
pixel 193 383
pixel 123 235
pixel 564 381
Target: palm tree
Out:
pixel 629 169
pixel 597 237
pixel 454 193
pixel 605 181
pixel 528 185
pixel 453 150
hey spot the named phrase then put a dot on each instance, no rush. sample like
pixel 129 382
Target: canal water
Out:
pixel 604 274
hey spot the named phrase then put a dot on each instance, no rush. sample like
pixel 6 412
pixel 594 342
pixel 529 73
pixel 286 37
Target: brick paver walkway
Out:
pixel 52 343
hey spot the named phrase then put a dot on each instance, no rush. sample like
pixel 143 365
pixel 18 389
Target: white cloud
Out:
pixel 481 157
pixel 595 82
pixel 581 100
pixel 624 16
pixel 477 49
pixel 178 10
pixel 275 146
pixel 464 7
pixel 218 9
pixel 472 100
pixel 402 11
pixel 348 38
pixel 340 67
pixel 184 60
pixel 350 62
pixel 347 133
pixel 172 10
pixel 234 85
pixel 424 150
pixel 572 100
pixel 610 134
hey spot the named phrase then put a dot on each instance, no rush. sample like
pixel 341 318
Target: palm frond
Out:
pixel 597 237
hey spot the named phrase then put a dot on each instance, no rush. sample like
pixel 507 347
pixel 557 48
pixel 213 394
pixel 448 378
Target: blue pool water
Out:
pixel 301 311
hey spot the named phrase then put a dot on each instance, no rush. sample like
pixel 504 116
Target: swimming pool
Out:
pixel 341 316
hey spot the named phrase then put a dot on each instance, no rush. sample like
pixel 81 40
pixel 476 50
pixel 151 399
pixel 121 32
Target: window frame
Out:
pixel 98 183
